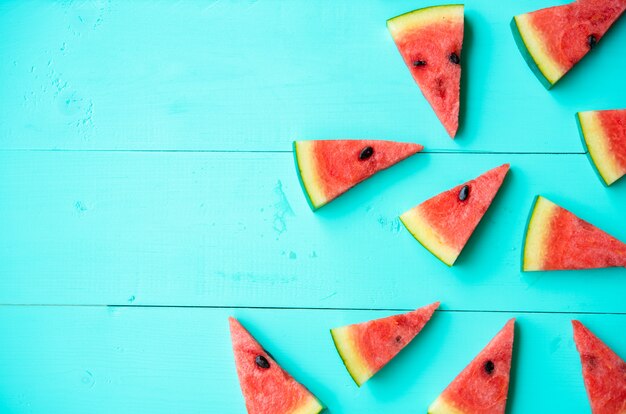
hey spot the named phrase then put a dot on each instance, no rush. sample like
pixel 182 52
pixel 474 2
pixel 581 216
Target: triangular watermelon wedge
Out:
pixel 430 42
pixel 482 387
pixel 368 346
pixel 444 223
pixel 604 135
pixel 558 240
pixel 554 39
pixel 266 387
pixel 329 168
pixel 604 372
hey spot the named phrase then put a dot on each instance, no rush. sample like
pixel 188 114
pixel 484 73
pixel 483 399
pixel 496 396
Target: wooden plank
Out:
pixel 234 230
pixel 255 75
pixel 164 360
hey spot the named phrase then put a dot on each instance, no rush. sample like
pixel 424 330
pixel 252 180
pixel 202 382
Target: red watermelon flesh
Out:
pixel 482 387
pixel 328 168
pixel 444 223
pixel 614 126
pixel 430 42
pixel 566 28
pixel 604 372
pixel 558 37
pixel 604 134
pixel 558 240
pixel 576 244
pixel 266 387
pixel 368 346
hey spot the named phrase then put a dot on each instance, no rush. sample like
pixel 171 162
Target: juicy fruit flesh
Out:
pixel 604 133
pixel 444 223
pixel 558 37
pixel 558 240
pixel 604 372
pixel 367 347
pixel 328 168
pixel 267 390
pixel 434 36
pixel 477 390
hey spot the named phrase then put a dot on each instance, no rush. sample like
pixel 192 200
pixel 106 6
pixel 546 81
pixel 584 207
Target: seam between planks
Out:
pixel 434 151
pixel 297 308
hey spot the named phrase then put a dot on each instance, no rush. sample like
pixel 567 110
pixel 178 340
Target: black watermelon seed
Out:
pixel 489 367
pixel 592 41
pixel 454 58
pixel 262 362
pixel 398 338
pixel 464 193
pixel 419 63
pixel 366 153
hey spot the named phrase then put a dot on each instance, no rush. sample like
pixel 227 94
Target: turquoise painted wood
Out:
pixel 235 229
pixel 147 191
pixel 163 360
pixel 253 75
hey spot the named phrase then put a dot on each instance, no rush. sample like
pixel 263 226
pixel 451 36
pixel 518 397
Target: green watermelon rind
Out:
pixel 423 245
pixel 343 359
pixel 528 219
pixel 424 9
pixel 588 153
pixel 528 57
pixel 302 184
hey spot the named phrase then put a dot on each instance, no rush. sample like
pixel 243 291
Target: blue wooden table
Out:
pixel 147 192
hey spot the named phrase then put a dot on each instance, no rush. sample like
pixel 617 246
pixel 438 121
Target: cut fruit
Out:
pixel 430 42
pixel 558 240
pixel 604 135
pixel 329 168
pixel 604 372
pixel 367 347
pixel 482 387
pixel 554 39
pixel 266 387
pixel 444 223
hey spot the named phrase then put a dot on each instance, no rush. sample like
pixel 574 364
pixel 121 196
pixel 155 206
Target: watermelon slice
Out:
pixel 444 223
pixel 553 40
pixel 604 372
pixel 266 387
pixel 558 240
pixel 482 387
pixel 430 42
pixel 604 135
pixel 329 168
pixel 368 346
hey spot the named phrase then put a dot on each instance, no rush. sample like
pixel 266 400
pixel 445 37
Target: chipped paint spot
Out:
pixel 79 206
pixel 393 225
pixel 87 379
pixel 282 209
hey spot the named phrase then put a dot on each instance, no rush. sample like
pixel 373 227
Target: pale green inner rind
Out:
pixel 595 140
pixel 440 406
pixel 428 237
pixel 423 17
pixel 307 174
pixel 357 366
pixel 537 232
pixel 311 406
pixel 534 52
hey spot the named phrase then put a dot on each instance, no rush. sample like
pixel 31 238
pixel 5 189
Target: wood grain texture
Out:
pixel 235 229
pixel 254 75
pixel 145 161
pixel 111 359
